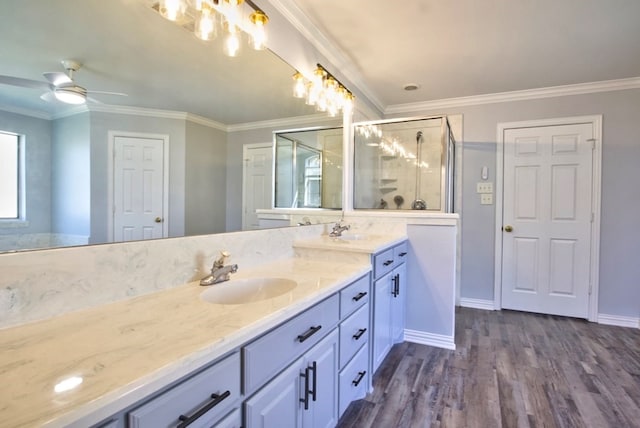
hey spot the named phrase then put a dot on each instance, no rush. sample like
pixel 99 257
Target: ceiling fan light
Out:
pixel 72 95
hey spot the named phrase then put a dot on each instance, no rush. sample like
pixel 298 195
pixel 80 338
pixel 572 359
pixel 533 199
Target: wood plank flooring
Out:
pixel 509 369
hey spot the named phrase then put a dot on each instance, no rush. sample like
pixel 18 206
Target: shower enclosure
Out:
pixel 405 164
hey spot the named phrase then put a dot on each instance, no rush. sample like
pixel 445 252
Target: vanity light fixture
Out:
pixel 201 17
pixel 323 91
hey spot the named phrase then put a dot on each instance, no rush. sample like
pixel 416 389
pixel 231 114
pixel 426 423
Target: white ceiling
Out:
pixel 450 48
pixel 460 48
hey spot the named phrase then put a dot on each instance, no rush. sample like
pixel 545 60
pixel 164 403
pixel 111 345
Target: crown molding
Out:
pixel 26 112
pixel 528 94
pixel 312 119
pixel 326 47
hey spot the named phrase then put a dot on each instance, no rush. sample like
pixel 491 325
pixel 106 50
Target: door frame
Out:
pixel 596 122
pixel 245 149
pixel 111 137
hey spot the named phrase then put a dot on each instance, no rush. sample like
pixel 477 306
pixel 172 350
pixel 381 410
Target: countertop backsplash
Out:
pixel 36 285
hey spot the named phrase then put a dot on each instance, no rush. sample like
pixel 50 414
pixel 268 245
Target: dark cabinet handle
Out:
pixel 307 334
pixel 402 254
pixel 394 289
pixel 305 400
pixel 359 334
pixel 359 296
pixel 314 368
pixel 217 399
pixel 388 262
pixel 357 380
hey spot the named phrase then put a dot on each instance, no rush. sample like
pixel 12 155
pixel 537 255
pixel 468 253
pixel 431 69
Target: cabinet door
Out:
pixel 322 360
pixel 278 403
pixel 382 319
pixel 398 302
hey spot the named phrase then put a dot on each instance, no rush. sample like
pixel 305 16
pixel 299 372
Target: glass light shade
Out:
pixel 299 88
pixel 232 41
pixel 205 28
pixel 258 34
pixel 172 9
pixel 312 94
pixel 70 95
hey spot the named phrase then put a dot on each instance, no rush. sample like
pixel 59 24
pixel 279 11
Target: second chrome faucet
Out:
pixel 219 271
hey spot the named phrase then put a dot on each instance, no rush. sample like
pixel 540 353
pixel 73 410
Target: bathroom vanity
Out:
pixel 172 358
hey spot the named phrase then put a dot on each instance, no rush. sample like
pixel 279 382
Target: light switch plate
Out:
pixel 486 199
pixel 484 187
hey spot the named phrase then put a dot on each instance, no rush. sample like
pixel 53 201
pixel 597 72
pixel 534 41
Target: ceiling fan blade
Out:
pixel 119 94
pixel 48 97
pixel 57 78
pixel 94 101
pixel 25 83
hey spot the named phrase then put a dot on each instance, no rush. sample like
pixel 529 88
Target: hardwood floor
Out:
pixel 510 369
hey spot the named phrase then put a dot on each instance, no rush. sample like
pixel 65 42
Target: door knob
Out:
pixel 508 228
pixel 158 220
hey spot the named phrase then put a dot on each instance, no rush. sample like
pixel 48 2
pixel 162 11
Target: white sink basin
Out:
pixel 238 291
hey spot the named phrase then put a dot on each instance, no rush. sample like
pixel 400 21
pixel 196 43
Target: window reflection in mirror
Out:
pixel 308 168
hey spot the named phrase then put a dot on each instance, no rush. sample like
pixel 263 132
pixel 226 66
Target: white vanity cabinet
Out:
pixel 200 401
pixel 304 395
pixel 389 290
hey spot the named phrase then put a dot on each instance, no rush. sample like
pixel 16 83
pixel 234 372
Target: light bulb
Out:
pixel 231 11
pixel 206 25
pixel 232 41
pixel 172 9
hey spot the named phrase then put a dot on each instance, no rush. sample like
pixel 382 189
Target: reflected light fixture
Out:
pixel 71 94
pixel 323 91
pixel 236 16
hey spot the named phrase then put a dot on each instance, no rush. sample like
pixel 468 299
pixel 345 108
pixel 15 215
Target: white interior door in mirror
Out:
pixel 257 179
pixel 138 188
pixel 547 219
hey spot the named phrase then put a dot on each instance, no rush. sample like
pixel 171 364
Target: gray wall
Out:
pixel 205 180
pixel 37 134
pixel 619 233
pixel 71 175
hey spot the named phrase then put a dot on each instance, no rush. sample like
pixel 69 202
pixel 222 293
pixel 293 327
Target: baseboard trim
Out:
pixel 618 320
pixel 430 339
pixel 487 305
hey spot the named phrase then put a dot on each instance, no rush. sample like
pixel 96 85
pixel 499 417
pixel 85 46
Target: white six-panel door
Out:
pixel 138 189
pixel 547 215
pixel 257 182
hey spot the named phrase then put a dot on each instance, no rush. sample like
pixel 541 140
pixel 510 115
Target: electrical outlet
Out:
pixel 484 187
pixel 486 199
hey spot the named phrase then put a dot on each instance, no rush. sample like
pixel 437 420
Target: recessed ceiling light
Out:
pixel 411 86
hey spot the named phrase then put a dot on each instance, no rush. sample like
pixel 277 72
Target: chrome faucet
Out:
pixel 305 222
pixel 338 229
pixel 219 272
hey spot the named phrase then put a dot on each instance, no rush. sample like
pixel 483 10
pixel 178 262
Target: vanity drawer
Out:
pixel 383 262
pixel 354 332
pixel 400 253
pixel 266 356
pixel 354 296
pixel 354 379
pixel 193 397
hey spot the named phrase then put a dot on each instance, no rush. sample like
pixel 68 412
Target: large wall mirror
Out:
pixel 183 96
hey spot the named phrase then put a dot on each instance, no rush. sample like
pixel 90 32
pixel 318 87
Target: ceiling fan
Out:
pixel 60 85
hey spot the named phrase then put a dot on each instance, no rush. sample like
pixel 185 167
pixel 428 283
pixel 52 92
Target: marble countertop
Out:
pixel 352 242
pixel 126 350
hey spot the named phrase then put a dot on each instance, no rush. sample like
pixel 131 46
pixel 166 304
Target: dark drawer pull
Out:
pixel 388 262
pixel 402 254
pixel 307 334
pixel 359 334
pixel 357 380
pixel 217 399
pixel 359 296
